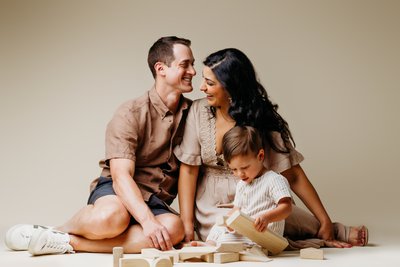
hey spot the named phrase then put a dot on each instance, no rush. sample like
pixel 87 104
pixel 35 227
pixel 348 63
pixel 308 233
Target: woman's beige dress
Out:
pixel 216 184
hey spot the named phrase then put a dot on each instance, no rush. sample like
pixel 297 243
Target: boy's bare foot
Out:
pixel 196 244
pixel 199 244
pixel 358 236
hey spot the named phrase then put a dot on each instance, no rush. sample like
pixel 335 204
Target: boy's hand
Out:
pixel 230 229
pixel 261 223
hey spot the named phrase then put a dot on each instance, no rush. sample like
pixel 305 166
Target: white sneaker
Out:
pixel 19 236
pixel 47 241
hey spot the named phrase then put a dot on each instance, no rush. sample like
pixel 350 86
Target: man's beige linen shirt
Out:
pixel 145 130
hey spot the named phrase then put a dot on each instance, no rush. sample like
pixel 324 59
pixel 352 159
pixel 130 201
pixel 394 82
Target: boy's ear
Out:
pixel 261 154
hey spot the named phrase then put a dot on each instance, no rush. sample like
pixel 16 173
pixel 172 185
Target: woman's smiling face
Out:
pixel 217 96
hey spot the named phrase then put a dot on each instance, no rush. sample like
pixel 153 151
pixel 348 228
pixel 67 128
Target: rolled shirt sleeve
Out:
pixel 189 150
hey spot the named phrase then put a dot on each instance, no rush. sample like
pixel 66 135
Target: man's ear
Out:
pixel 160 68
pixel 261 154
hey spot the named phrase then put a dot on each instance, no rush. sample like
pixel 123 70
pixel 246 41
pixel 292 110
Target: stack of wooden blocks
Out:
pixel 268 242
pixel 225 252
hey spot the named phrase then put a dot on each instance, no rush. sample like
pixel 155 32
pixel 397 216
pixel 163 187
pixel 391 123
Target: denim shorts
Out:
pixel 104 188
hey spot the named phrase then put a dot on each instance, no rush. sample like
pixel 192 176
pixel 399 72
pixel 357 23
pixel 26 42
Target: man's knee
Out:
pixel 112 219
pixel 174 226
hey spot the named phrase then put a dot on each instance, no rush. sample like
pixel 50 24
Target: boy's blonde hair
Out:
pixel 241 140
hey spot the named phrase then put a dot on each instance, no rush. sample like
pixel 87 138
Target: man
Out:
pixel 129 203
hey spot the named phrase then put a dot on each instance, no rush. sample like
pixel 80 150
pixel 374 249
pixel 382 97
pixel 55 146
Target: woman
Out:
pixel 206 186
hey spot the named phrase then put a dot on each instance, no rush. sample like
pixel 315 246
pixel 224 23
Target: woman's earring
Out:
pixel 230 100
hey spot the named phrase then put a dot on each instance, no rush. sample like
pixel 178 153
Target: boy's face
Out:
pixel 247 167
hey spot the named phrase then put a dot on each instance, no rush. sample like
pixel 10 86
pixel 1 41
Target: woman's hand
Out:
pixel 325 231
pixel 189 232
pixel 337 244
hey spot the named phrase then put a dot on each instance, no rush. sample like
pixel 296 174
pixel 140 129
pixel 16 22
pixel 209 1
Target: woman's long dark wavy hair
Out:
pixel 250 102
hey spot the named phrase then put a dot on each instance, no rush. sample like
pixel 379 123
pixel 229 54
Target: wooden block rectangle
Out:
pixel 312 253
pixel 134 262
pixel 162 262
pixel 152 253
pixel 172 254
pixel 191 252
pixel 230 247
pixel 244 225
pixel 208 257
pixel 226 257
pixel 248 256
pixel 118 253
pixel 199 249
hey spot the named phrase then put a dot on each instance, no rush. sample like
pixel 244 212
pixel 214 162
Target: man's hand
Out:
pixel 157 234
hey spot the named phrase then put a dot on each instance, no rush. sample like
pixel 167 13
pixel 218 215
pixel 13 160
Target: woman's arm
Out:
pixel 303 188
pixel 186 193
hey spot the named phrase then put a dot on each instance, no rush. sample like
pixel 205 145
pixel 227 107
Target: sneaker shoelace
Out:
pixel 57 242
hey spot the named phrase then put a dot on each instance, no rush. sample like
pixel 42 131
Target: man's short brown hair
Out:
pixel 241 140
pixel 162 51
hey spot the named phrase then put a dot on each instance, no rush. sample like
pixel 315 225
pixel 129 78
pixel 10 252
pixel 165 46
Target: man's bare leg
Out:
pixel 106 218
pixel 133 239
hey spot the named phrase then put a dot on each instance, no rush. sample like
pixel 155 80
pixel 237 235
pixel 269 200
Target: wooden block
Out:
pixel 203 256
pixel 247 256
pixel 162 262
pixel 152 253
pixel 226 257
pixel 118 253
pixel 244 225
pixel 208 257
pixel 199 249
pixel 195 259
pixel 312 253
pixel 135 262
pixel 192 252
pixel 230 247
pixel 172 254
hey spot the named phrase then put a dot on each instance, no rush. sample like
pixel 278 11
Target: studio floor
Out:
pixel 383 250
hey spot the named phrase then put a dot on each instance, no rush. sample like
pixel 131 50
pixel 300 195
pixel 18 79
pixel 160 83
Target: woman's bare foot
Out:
pixel 358 236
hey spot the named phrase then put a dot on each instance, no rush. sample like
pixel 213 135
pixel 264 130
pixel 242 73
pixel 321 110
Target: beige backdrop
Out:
pixel 332 66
